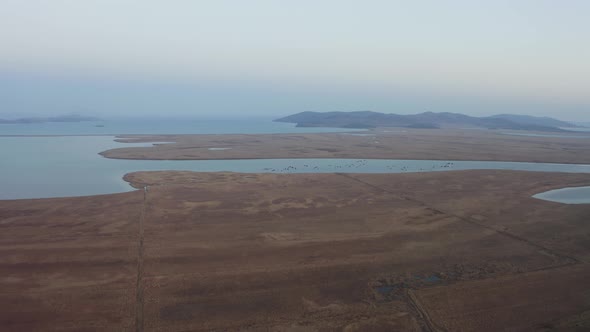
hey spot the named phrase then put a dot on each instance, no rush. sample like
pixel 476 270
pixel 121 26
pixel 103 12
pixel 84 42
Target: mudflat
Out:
pixel 468 250
pixel 432 144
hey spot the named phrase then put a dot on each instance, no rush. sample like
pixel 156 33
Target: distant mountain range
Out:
pixel 368 119
pixel 62 118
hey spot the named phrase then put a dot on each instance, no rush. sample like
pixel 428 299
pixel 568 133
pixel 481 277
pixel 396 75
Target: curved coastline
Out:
pixel 442 144
pixel 79 171
pixel 567 195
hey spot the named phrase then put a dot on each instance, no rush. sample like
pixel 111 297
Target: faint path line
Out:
pixel 411 299
pixel 571 259
pixel 139 280
pixel 422 313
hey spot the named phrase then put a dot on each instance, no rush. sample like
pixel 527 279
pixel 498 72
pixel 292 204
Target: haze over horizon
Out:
pixel 270 58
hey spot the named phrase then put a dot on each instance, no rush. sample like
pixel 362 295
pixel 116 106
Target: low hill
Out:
pixel 533 120
pixel 368 119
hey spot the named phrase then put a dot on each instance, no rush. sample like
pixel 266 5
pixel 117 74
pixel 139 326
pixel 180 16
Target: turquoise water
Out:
pixel 574 195
pixel 38 167
pixel 155 126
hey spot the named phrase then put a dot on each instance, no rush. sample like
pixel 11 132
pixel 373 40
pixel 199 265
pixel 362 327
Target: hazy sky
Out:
pixel 184 57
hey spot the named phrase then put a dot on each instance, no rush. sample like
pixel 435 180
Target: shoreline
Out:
pixel 295 245
pixel 326 243
pixel 131 179
pixel 287 153
pixel 354 158
pixel 417 144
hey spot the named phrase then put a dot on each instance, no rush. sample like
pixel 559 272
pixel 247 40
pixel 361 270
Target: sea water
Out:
pixel 155 126
pixel 60 166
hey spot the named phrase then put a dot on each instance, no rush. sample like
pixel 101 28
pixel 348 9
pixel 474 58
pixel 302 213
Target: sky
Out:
pixel 263 57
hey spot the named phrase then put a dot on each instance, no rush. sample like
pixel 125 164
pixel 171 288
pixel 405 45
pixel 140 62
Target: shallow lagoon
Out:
pixel 39 167
pixel 573 195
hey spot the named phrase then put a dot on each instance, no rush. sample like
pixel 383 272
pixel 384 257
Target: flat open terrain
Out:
pixel 438 144
pixel 450 251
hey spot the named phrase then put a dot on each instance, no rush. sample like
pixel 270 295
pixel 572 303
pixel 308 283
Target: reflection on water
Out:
pixel 37 167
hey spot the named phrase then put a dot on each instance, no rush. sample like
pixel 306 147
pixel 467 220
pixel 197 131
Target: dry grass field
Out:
pixel 437 144
pixel 445 251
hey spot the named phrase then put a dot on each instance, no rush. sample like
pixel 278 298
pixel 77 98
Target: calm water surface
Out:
pixel 546 135
pixel 38 167
pixel 574 195
pixel 154 126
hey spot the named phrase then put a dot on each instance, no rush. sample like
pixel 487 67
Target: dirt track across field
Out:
pixel 449 251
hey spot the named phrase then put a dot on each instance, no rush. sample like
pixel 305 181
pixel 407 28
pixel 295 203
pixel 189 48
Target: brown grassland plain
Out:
pixel 444 251
pixel 441 144
pixel 441 251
